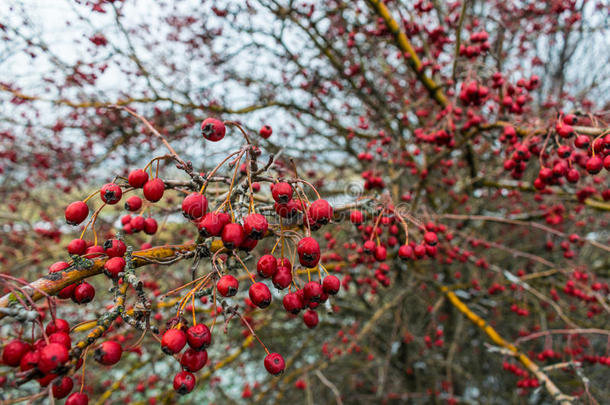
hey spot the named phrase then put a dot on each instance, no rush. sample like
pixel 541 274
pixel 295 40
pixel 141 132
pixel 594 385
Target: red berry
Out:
pixel 58 266
pixel 52 356
pixel 320 212
pixel 133 203
pixel 198 336
pixel 248 244
pixel 193 360
pixel 255 226
pixel 405 252
pixel 108 353
pixel 274 363
pixel 213 223
pixel 62 338
pixel 153 190
pixel 63 388
pixel 260 295
pixel 76 212
pixel 310 317
pixel 430 238
pixel 213 129
pixel 194 206
pixel 292 303
pixel 282 192
pixel 111 193
pixel 184 382
pixel 115 248
pixel 83 293
pixel 150 226
pixel 594 164
pixel 265 131
pixel 282 277
pixel 137 178
pixel 94 251
pixel 266 266
pixel 58 325
pixel 227 285
pixel 114 266
pixel 14 351
pixel 356 217
pixel 77 247
pixel 173 341
pixel 137 223
pixel 313 291
pixel 77 398
pixel 309 252
pixel 232 235
pixel 331 285
pixel 369 246
pixel 381 253
pixel 29 360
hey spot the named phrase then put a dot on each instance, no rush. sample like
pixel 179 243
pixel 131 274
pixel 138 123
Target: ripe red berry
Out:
pixel 260 295
pixel 14 351
pixel 173 341
pixel 115 248
pixel 313 291
pixel 194 206
pixel 111 193
pixel 137 223
pixel 381 253
pixel 76 212
pixel 292 303
pixel 266 266
pixel 255 226
pixel 94 251
pixel 248 244
pixel 77 247
pixel 137 178
pixel 320 212
pixel 193 360
pixel 282 192
pixel 62 338
pixel 356 217
pixel 77 398
pixel 266 131
pixel 369 246
pixel 153 189
pixel 213 223
pixel 430 238
pixel 274 363
pixel 184 382
pixel 83 293
pixel 58 325
pixel 213 130
pixel 58 266
pixel 331 285
pixel 133 203
pixel 310 317
pixel 227 285
pixel 282 277
pixel 309 252
pixel 52 357
pixel 29 360
pixel 199 336
pixel 150 226
pixel 232 235
pixel 114 266
pixel 108 353
pixel 62 388
pixel 594 164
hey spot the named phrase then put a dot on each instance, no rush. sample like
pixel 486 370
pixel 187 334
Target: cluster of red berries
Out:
pixel 480 45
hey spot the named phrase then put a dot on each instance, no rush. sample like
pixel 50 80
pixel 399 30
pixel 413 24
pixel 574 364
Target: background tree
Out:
pixel 463 147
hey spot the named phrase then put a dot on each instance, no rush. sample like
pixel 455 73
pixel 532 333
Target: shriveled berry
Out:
pixel 111 193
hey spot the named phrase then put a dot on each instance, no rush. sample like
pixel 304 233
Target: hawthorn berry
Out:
pixel 405 252
pixel 292 303
pixel 281 192
pixel 232 235
pixel 313 291
pixel 430 238
pixel 310 317
pixel 320 212
pixel 213 223
pixel 173 341
pixel 213 130
pixel 282 277
pixel 274 363
pixel 248 244
pixel 115 248
pixel 194 206
pixel 260 295
pixel 356 217
pixel 52 357
pixel 83 293
pixel 76 212
pixel 58 266
pixel 63 388
pixel 199 336
pixel 331 285
pixel 153 189
pixel 265 131
pixel 369 246
pixel 114 266
pixel 133 203
pixel 193 360
pixel 381 253
pixel 594 164
pixel 137 178
pixel 309 252
pixel 137 223
pixel 227 285
pixel 150 226
pixel 29 360
pixel 108 353
pixel 266 266
pixel 62 338
pixel 184 382
pixel 77 247
pixel 14 351
pixel 255 226
pixel 111 193
pixel 58 325
pixel 77 398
